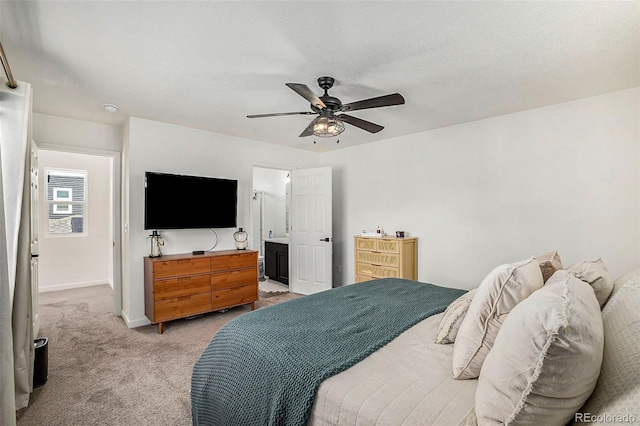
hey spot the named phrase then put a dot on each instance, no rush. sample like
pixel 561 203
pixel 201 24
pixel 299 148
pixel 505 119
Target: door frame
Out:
pixel 270 166
pixel 116 206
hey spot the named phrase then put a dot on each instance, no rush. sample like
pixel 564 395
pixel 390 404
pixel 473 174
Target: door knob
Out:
pixel 326 239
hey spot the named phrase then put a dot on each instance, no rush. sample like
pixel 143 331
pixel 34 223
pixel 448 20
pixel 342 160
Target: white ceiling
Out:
pixel 208 64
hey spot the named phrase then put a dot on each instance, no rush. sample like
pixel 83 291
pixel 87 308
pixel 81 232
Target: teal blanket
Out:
pixel 264 367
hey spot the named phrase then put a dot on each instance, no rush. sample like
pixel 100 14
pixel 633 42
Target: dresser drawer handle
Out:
pixel 183 279
pixel 184 261
pixel 184 298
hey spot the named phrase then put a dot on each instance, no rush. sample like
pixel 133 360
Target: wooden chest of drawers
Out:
pixel 386 257
pixel 182 285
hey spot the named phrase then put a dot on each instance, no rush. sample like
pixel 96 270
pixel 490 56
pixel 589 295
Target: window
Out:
pixel 62 194
pixel 66 202
pixel 62 209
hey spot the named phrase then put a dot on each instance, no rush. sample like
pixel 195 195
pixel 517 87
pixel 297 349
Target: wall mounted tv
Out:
pixel 185 202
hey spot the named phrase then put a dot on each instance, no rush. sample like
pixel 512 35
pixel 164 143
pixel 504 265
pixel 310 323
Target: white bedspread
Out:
pixel 407 382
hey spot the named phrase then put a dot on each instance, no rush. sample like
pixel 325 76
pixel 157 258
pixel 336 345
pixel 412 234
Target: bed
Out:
pixel 267 366
pixel 365 355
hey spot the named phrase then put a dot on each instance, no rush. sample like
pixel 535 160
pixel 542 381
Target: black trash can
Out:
pixel 40 362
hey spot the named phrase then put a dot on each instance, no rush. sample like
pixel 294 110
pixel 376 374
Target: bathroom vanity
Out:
pixel 276 259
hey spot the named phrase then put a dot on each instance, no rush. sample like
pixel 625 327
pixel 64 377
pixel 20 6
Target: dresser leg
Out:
pixel 160 327
pixel 253 305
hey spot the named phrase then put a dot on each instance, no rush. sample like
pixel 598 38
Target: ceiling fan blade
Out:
pixel 308 130
pixel 278 114
pixel 358 122
pixel 380 101
pixel 304 91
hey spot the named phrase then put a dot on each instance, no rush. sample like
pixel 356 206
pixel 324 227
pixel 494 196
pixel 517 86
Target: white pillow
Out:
pixel 546 359
pixel 549 263
pixel 618 390
pixel 595 273
pixel 452 318
pixel 497 295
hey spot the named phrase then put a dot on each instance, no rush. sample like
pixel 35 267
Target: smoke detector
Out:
pixel 110 107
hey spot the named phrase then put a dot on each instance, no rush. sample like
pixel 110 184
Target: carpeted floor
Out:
pixel 102 373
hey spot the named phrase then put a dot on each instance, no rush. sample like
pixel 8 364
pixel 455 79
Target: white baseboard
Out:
pixel 135 323
pixel 72 285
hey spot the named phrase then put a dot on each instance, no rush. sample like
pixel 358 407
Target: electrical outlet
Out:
pixel 339 269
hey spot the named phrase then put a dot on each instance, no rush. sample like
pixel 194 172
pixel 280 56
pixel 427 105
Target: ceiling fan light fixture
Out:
pixel 327 127
pixel 330 110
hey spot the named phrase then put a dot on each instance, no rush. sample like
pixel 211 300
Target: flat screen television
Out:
pixel 174 201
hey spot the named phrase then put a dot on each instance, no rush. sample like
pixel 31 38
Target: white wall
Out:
pixel 160 147
pixel 78 261
pixel 52 130
pixel 272 182
pixel 499 190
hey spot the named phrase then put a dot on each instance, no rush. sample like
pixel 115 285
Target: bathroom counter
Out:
pixel 281 240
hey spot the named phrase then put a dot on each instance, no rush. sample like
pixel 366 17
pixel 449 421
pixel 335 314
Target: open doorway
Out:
pixel 79 220
pixel 270 225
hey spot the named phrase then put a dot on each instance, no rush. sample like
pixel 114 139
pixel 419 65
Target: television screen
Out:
pixel 182 202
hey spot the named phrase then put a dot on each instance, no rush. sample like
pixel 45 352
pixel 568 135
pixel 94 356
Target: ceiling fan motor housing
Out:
pixel 333 104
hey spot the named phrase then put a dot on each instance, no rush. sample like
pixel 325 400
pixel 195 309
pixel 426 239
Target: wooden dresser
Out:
pixel 386 257
pixel 182 285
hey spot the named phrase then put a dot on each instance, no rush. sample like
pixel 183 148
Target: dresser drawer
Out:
pixel 180 307
pixel 386 259
pixel 182 286
pixel 365 244
pixel 378 244
pixel 176 268
pixel 236 278
pixel 234 296
pixel 234 261
pixel 376 271
pixel 388 246
pixel 363 278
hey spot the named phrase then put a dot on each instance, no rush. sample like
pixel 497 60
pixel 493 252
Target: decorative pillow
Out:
pixel 594 273
pixel 452 318
pixel 631 276
pixel 497 295
pixel 549 263
pixel 618 390
pixel 546 360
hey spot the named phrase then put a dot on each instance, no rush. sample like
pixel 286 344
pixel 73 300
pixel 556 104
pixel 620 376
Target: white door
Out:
pixel 33 167
pixel 311 249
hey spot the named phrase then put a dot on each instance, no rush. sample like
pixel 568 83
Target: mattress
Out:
pixel 407 382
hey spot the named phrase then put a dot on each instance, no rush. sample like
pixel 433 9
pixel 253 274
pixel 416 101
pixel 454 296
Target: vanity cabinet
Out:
pixel 276 261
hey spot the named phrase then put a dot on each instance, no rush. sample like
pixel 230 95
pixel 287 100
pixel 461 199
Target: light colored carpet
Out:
pixel 102 373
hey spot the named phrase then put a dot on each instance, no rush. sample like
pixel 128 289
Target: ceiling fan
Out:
pixel 330 110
